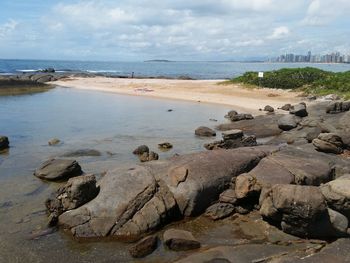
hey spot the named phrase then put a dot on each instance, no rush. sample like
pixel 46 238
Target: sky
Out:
pixel 187 30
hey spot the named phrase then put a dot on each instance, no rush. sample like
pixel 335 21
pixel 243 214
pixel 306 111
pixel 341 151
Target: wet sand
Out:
pixel 207 91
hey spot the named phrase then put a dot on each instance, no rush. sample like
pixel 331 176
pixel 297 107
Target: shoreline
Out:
pixel 203 91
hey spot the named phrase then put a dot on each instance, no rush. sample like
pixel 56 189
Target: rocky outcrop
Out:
pixel 4 143
pixel 176 239
pixel 161 192
pixel 58 169
pixel 329 143
pixel 205 132
pixel 232 139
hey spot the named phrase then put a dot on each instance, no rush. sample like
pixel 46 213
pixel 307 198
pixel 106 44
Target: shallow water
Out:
pixel 110 123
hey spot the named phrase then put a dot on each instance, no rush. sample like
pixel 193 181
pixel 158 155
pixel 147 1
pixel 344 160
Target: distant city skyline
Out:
pixel 334 57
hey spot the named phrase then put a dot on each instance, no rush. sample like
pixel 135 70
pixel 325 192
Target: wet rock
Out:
pixel 177 240
pixel 286 107
pixel 58 169
pixel 4 142
pixel 228 196
pixel 338 107
pixel 54 141
pixel 219 211
pixel 329 143
pixel 337 194
pixel 287 122
pixel 144 247
pixel 141 150
pixel 147 157
pixel 299 210
pixel 299 110
pixel 268 108
pixel 205 132
pixel 165 146
pixel 82 152
pixel 230 114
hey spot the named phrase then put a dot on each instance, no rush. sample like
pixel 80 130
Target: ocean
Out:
pixel 196 70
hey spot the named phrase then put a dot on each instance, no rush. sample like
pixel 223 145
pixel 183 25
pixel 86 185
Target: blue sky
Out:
pixel 136 30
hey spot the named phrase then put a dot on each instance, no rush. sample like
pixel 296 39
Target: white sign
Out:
pixel 261 74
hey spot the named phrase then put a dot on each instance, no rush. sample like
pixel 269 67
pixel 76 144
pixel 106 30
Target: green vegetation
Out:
pixel 310 80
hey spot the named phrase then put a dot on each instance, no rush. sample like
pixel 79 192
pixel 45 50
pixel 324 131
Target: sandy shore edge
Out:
pixel 205 91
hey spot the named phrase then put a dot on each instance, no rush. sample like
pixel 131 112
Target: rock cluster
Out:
pixel 338 107
pixel 235 116
pixel 144 154
pixel 329 143
pixel 232 139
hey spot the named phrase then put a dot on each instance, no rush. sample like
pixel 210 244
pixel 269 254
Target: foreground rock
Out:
pixel 78 191
pixel 176 239
pixel 205 132
pixel 144 247
pixel 161 192
pixel 301 211
pixel 4 143
pixel 58 169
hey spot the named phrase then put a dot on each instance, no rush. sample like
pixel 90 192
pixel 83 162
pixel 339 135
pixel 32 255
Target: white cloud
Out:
pixel 7 28
pixel 279 33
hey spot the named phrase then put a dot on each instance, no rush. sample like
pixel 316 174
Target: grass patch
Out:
pixel 310 80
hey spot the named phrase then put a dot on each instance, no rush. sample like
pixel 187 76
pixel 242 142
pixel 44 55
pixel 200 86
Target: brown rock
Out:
pixel 177 240
pixel 144 247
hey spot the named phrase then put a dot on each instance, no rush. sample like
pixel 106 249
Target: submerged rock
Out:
pixel 4 142
pixel 205 132
pixel 141 150
pixel 144 247
pixel 58 169
pixel 165 146
pixel 177 240
pixel 54 141
pixel 81 153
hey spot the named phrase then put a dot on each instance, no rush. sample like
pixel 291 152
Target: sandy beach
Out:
pixel 206 91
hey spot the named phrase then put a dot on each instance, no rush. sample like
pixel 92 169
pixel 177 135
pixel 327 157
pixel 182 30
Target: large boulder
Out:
pixel 161 192
pixel 58 169
pixel 4 142
pixel 205 132
pixel 301 211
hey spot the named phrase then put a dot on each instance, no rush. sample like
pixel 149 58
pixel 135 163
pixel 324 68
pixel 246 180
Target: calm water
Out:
pixel 197 70
pixel 110 123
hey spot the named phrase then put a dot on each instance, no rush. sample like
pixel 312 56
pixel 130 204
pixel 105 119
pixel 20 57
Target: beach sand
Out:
pixel 206 91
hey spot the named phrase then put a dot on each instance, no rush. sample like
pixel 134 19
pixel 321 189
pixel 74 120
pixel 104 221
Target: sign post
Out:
pixel 260 76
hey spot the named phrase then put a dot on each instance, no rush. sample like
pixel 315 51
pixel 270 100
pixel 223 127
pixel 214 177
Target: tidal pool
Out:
pixel 109 123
